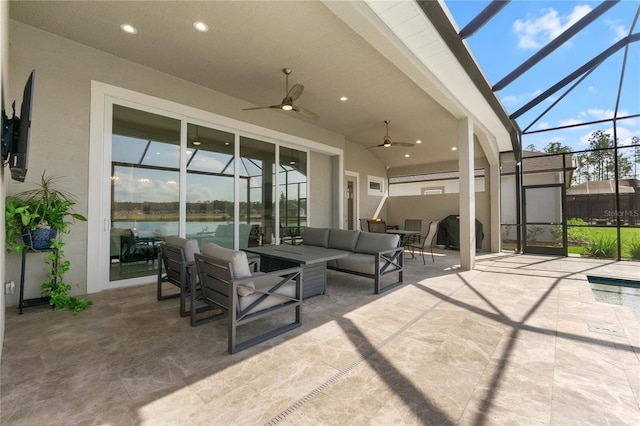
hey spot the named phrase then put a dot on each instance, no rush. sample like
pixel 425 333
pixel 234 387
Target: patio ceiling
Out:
pixel 334 49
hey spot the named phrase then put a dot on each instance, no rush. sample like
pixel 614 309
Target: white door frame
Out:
pixel 98 225
pixel 356 210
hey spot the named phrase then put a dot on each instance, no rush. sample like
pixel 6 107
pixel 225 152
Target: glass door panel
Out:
pixel 257 191
pixel 145 163
pixel 210 173
pixel 292 182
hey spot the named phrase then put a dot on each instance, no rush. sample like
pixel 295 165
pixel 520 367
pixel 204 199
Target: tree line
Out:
pixel 598 161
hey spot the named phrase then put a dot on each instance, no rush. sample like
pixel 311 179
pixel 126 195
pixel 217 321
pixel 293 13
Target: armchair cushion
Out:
pixel 265 283
pixel 239 265
pixel 189 247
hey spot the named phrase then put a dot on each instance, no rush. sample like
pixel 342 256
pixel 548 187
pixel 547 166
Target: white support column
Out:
pixel 496 231
pixel 467 195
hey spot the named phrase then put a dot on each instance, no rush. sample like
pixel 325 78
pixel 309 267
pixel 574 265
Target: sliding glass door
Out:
pixel 210 185
pixel 179 176
pixel 257 191
pixel 145 164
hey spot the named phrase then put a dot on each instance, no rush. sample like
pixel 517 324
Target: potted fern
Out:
pixel 40 216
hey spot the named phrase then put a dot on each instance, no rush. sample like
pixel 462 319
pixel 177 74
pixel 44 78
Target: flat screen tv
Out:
pixel 19 155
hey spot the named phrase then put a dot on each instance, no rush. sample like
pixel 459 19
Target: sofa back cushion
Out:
pixel 315 236
pixel 238 261
pixel 370 243
pixel 189 247
pixel 343 239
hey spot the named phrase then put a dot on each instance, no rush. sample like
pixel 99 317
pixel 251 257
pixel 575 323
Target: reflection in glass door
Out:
pixel 145 164
pixel 292 183
pixel 545 230
pixel 210 174
pixel 257 191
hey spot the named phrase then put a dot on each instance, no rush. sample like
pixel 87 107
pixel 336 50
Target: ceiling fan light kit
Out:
pixel 290 96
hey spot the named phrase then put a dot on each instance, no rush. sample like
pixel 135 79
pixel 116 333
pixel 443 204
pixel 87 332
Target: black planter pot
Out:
pixel 39 238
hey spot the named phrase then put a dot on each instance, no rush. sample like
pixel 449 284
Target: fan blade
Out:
pixel 407 144
pixel 263 107
pixel 295 92
pixel 374 146
pixel 305 113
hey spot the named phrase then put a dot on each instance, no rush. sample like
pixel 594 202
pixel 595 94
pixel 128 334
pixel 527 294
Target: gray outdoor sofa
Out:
pixel 370 255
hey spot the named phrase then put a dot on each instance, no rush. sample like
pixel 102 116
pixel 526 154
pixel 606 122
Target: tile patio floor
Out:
pixel 520 340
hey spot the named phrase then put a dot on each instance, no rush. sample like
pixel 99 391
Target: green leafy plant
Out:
pixel 601 246
pixel 55 285
pixel 533 232
pixel 46 206
pixel 577 232
pixel 634 248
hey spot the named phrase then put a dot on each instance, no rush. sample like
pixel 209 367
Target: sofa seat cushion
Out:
pixel 315 236
pixel 266 283
pixel 359 263
pixel 238 261
pixel 372 243
pixel 343 239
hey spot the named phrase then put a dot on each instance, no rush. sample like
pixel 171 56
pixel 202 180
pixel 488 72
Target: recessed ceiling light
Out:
pixel 407 156
pixel 128 28
pixel 201 26
pixel 454 148
pixel 418 141
pixel 196 143
pixel 344 98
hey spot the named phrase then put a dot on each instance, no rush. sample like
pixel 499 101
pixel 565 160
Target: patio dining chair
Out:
pixel 413 225
pixel 379 226
pixel 428 241
pixel 364 224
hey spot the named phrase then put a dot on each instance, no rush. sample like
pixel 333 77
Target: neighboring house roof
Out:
pixel 538 162
pixel 599 187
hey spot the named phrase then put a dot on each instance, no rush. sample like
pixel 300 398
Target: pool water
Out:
pixel 617 291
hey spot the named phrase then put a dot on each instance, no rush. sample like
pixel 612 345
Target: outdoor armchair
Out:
pixel 228 285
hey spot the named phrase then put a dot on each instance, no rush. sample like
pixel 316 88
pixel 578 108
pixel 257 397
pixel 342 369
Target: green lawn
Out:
pixel 593 232
pixel 627 235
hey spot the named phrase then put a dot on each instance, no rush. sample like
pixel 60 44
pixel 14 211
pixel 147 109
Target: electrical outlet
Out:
pixel 9 287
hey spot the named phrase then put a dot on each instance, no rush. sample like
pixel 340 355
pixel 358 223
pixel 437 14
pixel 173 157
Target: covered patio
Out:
pixel 519 340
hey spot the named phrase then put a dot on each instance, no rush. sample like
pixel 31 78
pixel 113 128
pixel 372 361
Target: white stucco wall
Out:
pixel 61 111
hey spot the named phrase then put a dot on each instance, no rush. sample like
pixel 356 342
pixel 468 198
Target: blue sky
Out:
pixel 523 27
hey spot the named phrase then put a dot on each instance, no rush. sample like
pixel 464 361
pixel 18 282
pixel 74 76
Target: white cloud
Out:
pixel 543 125
pixel 623 133
pixel 600 114
pixel 535 33
pixel 569 122
pixel 515 99
pixel 509 100
pixel 619 30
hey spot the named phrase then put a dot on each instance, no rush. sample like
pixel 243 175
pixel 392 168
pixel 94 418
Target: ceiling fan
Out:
pixel 290 96
pixel 388 142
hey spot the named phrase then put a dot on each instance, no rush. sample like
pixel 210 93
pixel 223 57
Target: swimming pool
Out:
pixel 617 291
